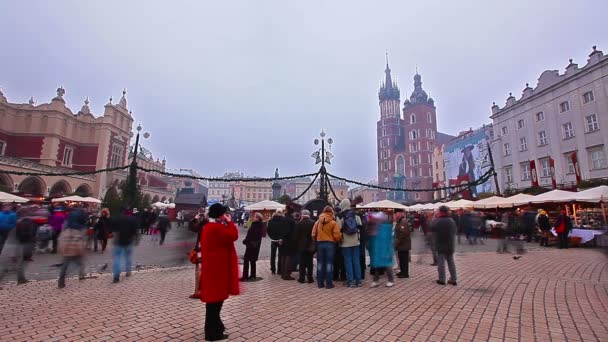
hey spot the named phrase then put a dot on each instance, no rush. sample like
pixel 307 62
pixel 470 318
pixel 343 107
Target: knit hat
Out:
pixel 216 210
pixel 345 204
pixel 305 213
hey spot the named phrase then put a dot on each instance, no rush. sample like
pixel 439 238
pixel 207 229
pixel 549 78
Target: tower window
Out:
pixel 429 117
pixel 413 118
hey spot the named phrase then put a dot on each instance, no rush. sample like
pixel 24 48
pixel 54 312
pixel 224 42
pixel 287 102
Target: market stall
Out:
pixel 9 198
pixel 266 208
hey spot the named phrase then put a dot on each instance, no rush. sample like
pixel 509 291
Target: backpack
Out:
pixel 350 223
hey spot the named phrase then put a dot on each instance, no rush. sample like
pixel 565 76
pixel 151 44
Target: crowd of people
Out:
pixel 73 231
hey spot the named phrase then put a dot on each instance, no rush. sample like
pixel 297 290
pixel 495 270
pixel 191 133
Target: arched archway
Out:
pixel 163 199
pixel 155 199
pixel 171 200
pixel 60 189
pixel 84 190
pixel 400 165
pixel 33 186
pixel 6 183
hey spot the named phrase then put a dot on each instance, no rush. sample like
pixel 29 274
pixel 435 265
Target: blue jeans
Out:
pixel 352 264
pixel 325 263
pixel 117 252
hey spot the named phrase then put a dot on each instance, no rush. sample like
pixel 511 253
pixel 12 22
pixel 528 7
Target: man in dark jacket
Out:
pixel 275 233
pixel 305 246
pixel 529 223
pixel 125 228
pixel 287 248
pixel 403 244
pixel 444 232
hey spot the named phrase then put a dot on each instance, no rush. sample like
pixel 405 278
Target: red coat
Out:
pixel 219 262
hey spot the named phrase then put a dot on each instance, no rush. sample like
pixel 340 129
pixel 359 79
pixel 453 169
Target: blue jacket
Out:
pixel 8 220
pixel 381 246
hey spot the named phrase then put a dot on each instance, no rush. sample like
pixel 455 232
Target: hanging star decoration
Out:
pixel 328 157
pixel 317 156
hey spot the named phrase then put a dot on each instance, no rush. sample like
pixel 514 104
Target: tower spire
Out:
pixel 388 88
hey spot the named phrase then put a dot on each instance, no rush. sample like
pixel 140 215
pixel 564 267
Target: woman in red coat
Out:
pixel 219 268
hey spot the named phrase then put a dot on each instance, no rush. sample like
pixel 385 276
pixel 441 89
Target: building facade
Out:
pixel 49 137
pixel 155 187
pixel 367 194
pixel 220 190
pixel 559 128
pixel 406 140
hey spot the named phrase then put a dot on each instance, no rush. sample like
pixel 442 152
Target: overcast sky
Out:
pixel 247 85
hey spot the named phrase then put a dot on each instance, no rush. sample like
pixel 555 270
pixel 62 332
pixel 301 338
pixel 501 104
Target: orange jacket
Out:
pixel 326 229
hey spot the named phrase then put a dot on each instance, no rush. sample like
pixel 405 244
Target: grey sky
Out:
pixel 247 85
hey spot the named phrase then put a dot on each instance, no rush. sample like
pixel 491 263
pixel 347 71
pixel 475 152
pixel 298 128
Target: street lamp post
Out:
pixel 323 157
pixel 132 182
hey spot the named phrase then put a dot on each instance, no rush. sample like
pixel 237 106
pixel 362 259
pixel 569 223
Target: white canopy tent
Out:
pixel 515 200
pixel 160 205
pixel 555 196
pixel 488 203
pixel 597 194
pixel 5 197
pixel 92 200
pixel 385 204
pixel 460 204
pixel 265 205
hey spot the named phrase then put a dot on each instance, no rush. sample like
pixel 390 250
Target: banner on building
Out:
pixel 577 172
pixel 533 173
pixel 552 166
pixel 466 158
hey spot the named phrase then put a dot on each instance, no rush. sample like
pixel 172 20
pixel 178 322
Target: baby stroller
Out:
pixel 43 237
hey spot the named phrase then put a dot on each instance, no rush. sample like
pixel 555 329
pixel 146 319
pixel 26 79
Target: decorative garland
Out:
pixel 308 188
pixel 220 179
pixel 72 173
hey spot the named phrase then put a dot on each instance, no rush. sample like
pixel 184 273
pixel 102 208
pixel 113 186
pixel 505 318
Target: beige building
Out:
pixel 368 194
pixel 251 192
pixel 439 172
pixel 50 137
pixel 563 114
pixel 220 190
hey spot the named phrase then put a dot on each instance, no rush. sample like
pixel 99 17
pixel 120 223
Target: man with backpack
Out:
pixel 350 223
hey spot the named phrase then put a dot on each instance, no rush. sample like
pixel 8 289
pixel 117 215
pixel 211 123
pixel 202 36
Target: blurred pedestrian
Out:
pixel 13 258
pixel 102 230
pixel 563 226
pixel 381 248
pixel 545 227
pixel 163 225
pixel 444 233
pixel 252 243
pixel 8 221
pixel 196 226
pixel 219 270
pixel 326 233
pixel 287 249
pixel 125 228
pixel 72 244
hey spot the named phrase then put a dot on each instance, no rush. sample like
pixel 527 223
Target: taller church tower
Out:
pixel 390 138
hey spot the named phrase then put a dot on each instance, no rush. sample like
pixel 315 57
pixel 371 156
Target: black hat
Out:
pixel 216 210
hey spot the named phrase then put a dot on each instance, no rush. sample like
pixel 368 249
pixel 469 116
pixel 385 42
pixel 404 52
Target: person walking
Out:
pixel 163 225
pixel 196 226
pixel 56 221
pixel 381 248
pixel 444 232
pixel 252 243
pixel 403 244
pixel 503 229
pixel 102 230
pixel 125 228
pixel 350 223
pixel 563 226
pixel 545 227
pixel 8 221
pixel 219 269
pixel 72 244
pixel 305 246
pixel 14 252
pixel 275 233
pixel 326 233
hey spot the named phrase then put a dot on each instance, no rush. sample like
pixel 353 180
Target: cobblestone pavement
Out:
pixel 179 241
pixel 549 295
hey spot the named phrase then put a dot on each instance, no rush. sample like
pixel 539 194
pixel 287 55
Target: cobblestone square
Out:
pixel 549 295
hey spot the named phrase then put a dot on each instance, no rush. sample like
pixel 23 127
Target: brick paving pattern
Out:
pixel 550 295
